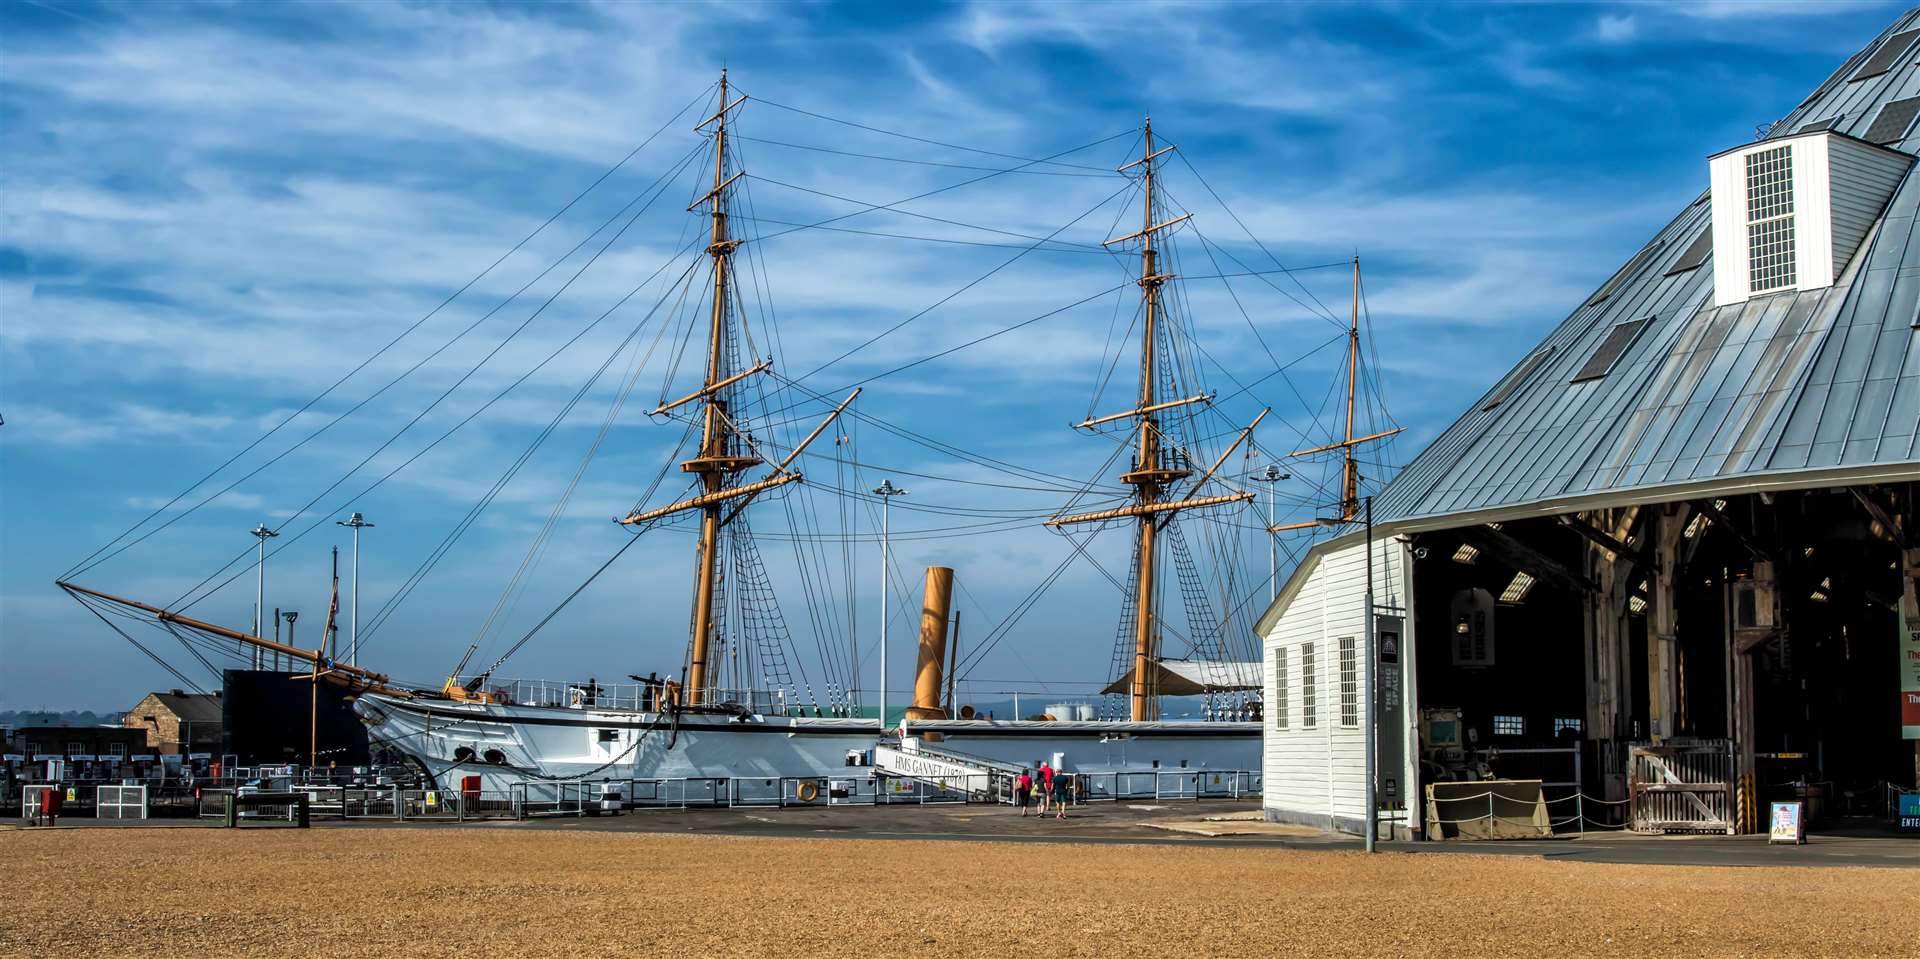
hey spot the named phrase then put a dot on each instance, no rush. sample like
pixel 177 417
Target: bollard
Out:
pixel 232 812
pixel 306 820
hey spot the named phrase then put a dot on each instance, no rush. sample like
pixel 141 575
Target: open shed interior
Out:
pixel 1766 626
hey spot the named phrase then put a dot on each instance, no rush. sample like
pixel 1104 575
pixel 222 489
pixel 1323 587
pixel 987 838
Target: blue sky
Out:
pixel 213 212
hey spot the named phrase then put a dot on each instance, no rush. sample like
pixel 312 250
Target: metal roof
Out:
pixel 1807 381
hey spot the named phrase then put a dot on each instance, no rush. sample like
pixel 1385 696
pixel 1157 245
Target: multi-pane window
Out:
pixel 1349 682
pixel 1574 726
pixel 1309 695
pixel 1509 725
pixel 117 749
pixel 76 749
pixel 1770 219
pixel 1279 710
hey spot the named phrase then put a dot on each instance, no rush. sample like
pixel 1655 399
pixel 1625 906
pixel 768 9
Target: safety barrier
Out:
pixel 120 802
pixel 1579 819
pixel 529 799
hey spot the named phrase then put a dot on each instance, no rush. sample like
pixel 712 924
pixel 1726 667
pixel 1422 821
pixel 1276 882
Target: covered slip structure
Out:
pixel 1667 562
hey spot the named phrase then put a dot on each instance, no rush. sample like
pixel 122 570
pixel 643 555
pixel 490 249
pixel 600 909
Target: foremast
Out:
pixel 1151 477
pixel 721 455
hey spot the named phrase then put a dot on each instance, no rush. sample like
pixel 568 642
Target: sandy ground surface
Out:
pixel 506 891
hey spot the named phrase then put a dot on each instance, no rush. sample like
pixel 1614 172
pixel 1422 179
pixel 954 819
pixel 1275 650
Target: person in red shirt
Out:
pixel 1022 790
pixel 1046 786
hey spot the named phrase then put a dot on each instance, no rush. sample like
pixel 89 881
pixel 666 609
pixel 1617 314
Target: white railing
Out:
pixel 640 697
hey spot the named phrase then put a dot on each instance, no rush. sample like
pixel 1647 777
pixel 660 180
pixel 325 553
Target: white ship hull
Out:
pixel 508 744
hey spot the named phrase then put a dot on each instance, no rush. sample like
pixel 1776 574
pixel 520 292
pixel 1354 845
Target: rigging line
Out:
pixel 970 343
pixel 951 146
pixel 1279 371
pixel 1013 617
pixel 537 627
pixel 898 471
pixel 464 377
pixel 921 439
pixel 923 239
pixel 83 565
pixel 1105 174
pixel 177 674
pixel 895 208
pixel 921 196
pixel 1243 228
pixel 356 407
pixel 446 545
pixel 470 417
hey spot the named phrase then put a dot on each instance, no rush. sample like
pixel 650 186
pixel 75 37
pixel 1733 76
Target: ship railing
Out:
pixel 638 697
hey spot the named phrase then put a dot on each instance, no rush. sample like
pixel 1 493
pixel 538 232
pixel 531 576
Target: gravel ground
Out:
pixel 515 892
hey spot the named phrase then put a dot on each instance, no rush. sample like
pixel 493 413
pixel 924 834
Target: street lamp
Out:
pixel 356 523
pixel 1273 478
pixel 262 533
pixel 886 491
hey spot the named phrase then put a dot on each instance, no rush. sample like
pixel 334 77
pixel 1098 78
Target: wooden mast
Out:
pixel 713 464
pixel 1148 477
pixel 1350 466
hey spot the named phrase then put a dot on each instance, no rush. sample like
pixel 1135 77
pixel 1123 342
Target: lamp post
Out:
pixel 886 491
pixel 356 523
pixel 262 533
pixel 1273 478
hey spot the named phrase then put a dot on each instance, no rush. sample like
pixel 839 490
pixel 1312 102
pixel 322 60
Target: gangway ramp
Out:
pixel 980 778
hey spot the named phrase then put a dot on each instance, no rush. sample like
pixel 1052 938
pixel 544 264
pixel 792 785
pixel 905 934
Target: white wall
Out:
pixel 1316 775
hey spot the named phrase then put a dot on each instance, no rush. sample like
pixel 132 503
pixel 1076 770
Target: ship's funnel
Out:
pixel 933 645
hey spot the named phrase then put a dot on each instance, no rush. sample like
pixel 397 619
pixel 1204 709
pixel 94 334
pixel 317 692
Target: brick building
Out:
pixel 177 722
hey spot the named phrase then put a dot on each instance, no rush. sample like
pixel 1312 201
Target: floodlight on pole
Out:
pixel 1273 477
pixel 262 533
pixel 356 522
pixel 886 491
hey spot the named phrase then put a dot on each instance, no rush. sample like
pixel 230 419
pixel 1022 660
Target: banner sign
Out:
pixel 1789 825
pixel 1910 811
pixel 1910 645
pixel 1390 723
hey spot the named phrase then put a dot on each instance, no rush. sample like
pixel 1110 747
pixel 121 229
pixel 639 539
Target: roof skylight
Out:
pixel 1517 590
pixel 1611 349
pixel 1517 377
pixel 1886 57
pixel 1892 123
pixel 1696 254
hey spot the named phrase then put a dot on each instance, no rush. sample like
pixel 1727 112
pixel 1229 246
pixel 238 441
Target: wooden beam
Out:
pixel 1356 441
pixel 1137 234
pixel 1148 509
pixel 708 499
pixel 1149 158
pixel 1142 411
pixel 304 655
pixel 710 390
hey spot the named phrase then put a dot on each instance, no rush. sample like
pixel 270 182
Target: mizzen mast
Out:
pixel 1151 476
pixel 1350 467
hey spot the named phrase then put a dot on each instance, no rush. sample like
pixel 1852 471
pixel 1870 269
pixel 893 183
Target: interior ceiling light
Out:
pixel 1466 553
pixel 1517 590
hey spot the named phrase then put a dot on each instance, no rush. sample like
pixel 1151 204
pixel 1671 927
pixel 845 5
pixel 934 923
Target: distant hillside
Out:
pixel 46 717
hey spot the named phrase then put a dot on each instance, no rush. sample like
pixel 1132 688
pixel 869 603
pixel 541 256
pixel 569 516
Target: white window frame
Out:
pixel 1509 725
pixel 1278 708
pixel 117 750
pixel 1309 691
pixel 1350 682
pixel 1770 224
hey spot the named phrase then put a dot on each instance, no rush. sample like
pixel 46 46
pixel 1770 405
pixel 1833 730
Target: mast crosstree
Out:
pixel 1152 475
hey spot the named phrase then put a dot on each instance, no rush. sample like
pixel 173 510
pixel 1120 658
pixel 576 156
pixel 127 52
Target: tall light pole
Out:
pixel 262 533
pixel 357 523
pixel 1273 478
pixel 886 491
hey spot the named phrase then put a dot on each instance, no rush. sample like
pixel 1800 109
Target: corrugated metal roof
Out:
pixel 1813 380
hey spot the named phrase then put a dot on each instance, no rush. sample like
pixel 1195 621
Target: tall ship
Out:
pixel 740 704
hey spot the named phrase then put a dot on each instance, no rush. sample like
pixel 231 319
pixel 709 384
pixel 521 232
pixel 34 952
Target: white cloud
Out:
pixel 1616 28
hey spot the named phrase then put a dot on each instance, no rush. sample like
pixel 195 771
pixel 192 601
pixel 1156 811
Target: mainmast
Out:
pixel 713 464
pixel 720 455
pixel 1149 477
pixel 1350 466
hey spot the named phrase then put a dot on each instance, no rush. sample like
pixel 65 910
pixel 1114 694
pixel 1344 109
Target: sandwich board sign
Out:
pixel 1789 823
